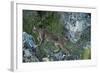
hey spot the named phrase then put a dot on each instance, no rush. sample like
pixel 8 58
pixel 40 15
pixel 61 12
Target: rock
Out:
pixel 30 59
pixel 28 41
pixel 75 23
pixel 45 59
pixel 29 48
pixel 28 56
pixel 34 59
pixel 59 56
pixel 27 53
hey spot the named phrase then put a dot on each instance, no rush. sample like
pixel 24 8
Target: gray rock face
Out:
pixel 28 41
pixel 29 48
pixel 59 56
pixel 75 24
pixel 27 53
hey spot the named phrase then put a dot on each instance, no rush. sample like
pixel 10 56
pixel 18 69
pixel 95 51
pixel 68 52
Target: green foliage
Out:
pixel 86 54
pixel 39 19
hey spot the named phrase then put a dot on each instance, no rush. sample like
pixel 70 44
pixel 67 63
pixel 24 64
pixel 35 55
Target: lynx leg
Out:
pixel 41 38
pixel 56 44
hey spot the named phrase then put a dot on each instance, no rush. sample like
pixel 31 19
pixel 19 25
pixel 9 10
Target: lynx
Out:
pixel 58 41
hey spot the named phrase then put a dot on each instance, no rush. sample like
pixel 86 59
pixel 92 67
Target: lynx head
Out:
pixel 34 29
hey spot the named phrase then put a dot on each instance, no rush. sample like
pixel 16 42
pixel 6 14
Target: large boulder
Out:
pixel 28 41
pixel 29 48
pixel 75 23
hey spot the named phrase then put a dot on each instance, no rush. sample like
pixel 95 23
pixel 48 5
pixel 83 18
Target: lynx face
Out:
pixel 34 29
